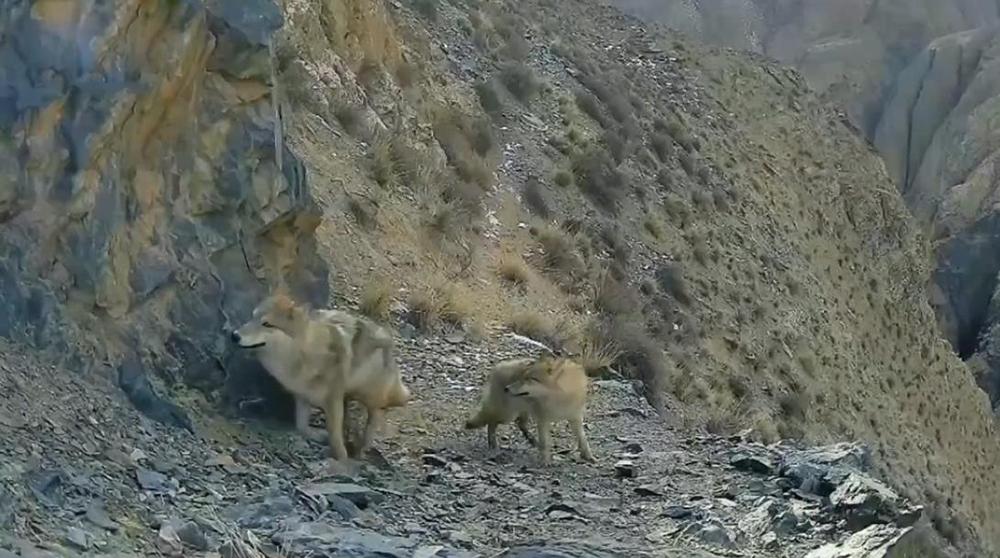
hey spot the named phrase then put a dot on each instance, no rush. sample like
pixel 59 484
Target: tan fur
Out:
pixel 499 407
pixel 548 389
pixel 326 358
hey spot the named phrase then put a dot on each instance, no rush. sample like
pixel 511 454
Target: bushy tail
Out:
pixel 399 396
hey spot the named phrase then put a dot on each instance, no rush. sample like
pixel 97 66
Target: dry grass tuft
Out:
pixel 597 356
pixel 376 299
pixel 513 268
pixel 440 304
pixel 521 81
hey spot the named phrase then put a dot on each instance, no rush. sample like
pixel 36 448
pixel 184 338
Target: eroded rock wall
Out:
pixel 147 198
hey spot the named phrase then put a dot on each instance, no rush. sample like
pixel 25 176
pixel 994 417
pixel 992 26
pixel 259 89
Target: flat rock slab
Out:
pixel 324 539
pixel 584 550
pixel 358 495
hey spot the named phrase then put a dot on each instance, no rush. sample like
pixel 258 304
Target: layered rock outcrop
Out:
pixel 147 198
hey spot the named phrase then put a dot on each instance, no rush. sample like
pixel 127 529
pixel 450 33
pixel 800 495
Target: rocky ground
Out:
pixel 82 473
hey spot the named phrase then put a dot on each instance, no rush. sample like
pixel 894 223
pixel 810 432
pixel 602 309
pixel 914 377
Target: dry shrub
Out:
pixel 513 268
pixel 663 146
pixel 534 198
pixel 612 97
pixel 559 250
pixel 363 210
pixel 590 106
pixel 406 74
pixel 521 81
pixel 535 325
pixel 640 357
pixel 376 299
pixel 443 303
pixel 670 278
pixel 369 73
pixel 653 227
pixel 599 179
pixel 385 168
pixel 562 178
pixel 489 99
pixel 350 115
pixel 688 164
pixel 427 9
pixel 617 145
pixel 518 48
pixel 615 298
pixel 726 419
pixel 598 355
pixel 466 144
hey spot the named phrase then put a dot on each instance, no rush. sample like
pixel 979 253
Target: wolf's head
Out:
pixel 274 319
pixel 537 381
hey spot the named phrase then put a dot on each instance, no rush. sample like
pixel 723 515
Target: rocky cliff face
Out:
pixel 147 196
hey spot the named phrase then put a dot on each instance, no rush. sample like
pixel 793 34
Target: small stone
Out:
pixel 625 469
pixel 357 494
pixel 434 460
pixel 78 538
pixel 97 515
pixel 677 512
pixel 648 490
pixel 633 447
pixel 152 481
pixel 459 537
pixel 769 541
pixel 10 420
pixel 751 464
pixel 192 535
pixel 344 507
pixel 710 532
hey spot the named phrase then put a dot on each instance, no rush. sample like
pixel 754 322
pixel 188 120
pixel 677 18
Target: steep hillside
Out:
pixel 919 78
pixel 697 220
pixel 713 208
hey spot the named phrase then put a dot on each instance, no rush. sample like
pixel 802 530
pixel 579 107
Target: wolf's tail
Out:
pixel 400 395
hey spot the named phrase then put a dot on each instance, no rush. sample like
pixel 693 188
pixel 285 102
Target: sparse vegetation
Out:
pixel 534 198
pixel 489 99
pixel 376 299
pixel 662 146
pixel 521 81
pixel 562 178
pixel 590 105
pixel 598 178
pixel 559 251
pixel 513 268
pixel 670 277
pixel 466 143
pixel 538 326
pixel 350 116
pixel 444 303
pixel 427 8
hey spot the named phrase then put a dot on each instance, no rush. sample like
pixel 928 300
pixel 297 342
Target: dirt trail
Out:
pixel 82 472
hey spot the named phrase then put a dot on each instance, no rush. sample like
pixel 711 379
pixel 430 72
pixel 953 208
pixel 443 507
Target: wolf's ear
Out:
pixel 283 304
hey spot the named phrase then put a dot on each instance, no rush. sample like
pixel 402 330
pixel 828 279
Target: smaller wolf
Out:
pixel 326 358
pixel 549 389
pixel 499 407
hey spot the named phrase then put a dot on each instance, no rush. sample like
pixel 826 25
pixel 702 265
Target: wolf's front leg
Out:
pixel 544 440
pixel 375 419
pixel 581 439
pixel 302 412
pixel 335 425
